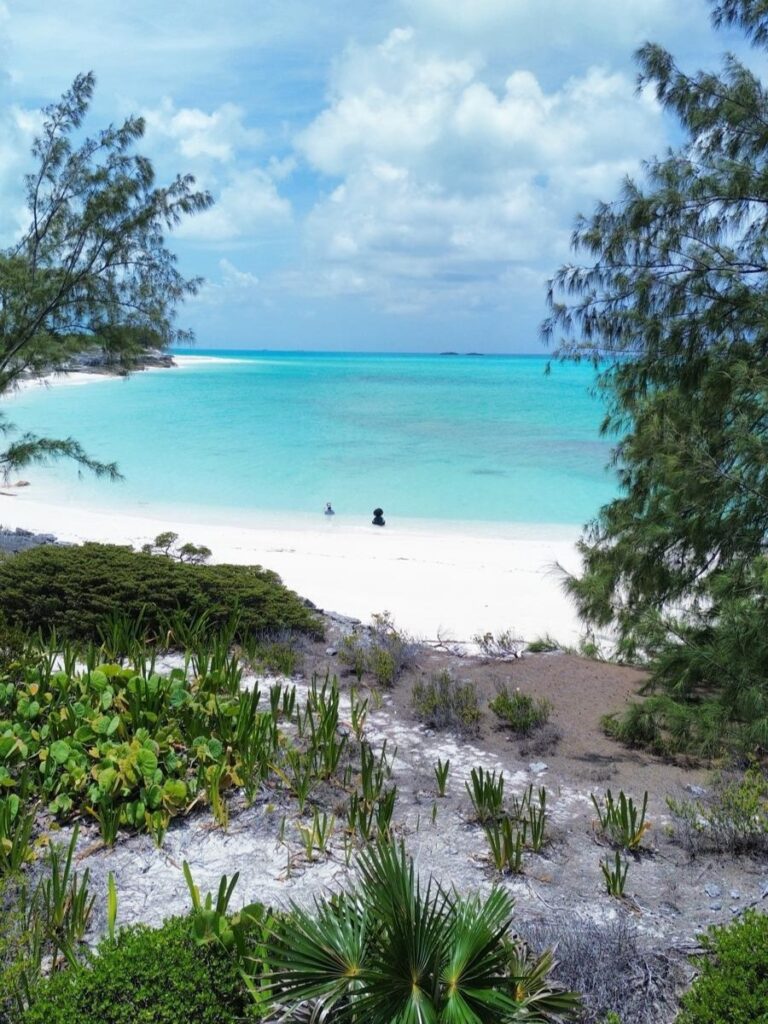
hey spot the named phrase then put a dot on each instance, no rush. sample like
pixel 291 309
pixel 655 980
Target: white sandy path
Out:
pixel 433 579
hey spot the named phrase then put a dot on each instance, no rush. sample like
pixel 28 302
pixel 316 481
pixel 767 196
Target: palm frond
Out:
pixel 319 956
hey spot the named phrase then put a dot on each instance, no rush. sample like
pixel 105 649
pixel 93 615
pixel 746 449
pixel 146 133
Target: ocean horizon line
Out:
pixel 191 350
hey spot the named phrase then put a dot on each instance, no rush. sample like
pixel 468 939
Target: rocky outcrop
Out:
pixel 96 361
pixel 13 541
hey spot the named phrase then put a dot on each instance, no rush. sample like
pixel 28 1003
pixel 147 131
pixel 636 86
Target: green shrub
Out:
pixel 77 590
pixel 519 712
pixel 131 751
pixel 13 643
pixel 152 976
pixel 279 656
pixel 732 818
pixel 392 651
pixel 443 703
pixel 135 750
pixel 544 645
pixel 733 981
pixel 383 651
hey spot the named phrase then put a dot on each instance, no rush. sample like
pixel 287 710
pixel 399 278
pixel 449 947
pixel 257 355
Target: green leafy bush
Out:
pixel 733 981
pixel 77 590
pixel 544 645
pixel 133 751
pixel 151 976
pixel 520 712
pixel 441 702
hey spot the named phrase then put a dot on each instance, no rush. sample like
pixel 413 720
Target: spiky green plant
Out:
pixel 620 820
pixel 397 950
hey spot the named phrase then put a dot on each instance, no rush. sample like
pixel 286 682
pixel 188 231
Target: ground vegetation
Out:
pixel 85 592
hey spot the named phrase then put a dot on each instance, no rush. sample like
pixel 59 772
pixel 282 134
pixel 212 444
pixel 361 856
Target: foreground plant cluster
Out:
pixel 131 726
pixel 96 726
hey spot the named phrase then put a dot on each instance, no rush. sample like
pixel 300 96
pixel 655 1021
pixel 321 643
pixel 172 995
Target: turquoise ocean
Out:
pixel 240 435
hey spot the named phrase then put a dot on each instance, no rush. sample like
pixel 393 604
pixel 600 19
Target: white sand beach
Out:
pixel 435 579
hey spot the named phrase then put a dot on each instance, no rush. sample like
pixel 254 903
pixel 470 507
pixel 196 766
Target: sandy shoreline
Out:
pixel 435 580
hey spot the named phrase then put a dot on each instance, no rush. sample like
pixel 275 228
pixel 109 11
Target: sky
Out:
pixel 395 175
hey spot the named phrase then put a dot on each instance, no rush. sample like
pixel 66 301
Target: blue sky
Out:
pixel 398 174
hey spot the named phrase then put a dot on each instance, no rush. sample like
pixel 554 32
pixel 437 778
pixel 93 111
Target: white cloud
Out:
pixel 447 185
pixel 245 205
pixel 442 168
pixel 234 287
pixel 18 128
pixel 389 102
pixel 218 135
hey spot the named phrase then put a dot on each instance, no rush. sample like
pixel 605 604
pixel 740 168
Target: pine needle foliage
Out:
pixel 670 307
pixel 92 269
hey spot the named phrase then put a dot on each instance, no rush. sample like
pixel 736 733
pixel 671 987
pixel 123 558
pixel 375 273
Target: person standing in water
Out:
pixel 378 517
pixel 329 509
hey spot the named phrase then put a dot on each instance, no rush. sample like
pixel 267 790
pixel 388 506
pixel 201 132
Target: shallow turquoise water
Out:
pixel 455 438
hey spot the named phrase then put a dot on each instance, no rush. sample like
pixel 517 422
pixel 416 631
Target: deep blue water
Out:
pixel 454 437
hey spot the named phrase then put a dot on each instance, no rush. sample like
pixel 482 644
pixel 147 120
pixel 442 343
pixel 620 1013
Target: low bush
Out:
pixel 544 645
pixel 619 976
pixel 519 712
pixel 733 981
pixel 150 976
pixel 498 646
pixel 133 748
pixel 128 750
pixel 732 818
pixel 13 644
pixel 703 729
pixel 382 651
pixel 76 591
pixel 280 656
pixel 541 741
pixel 441 702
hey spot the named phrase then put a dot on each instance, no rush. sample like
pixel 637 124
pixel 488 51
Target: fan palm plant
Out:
pixel 394 951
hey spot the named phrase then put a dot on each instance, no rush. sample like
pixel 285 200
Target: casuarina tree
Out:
pixel 670 303
pixel 92 269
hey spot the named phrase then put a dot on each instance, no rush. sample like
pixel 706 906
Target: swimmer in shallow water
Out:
pixel 378 517
pixel 329 509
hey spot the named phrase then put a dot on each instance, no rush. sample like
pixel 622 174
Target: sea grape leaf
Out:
pixel 60 751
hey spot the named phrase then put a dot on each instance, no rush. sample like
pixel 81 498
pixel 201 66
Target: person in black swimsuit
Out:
pixel 378 517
